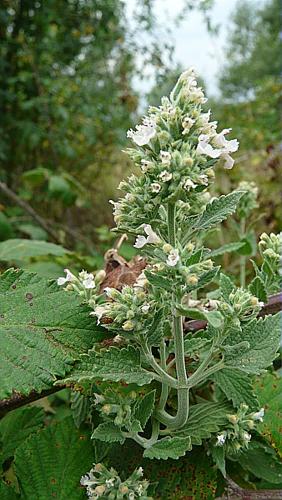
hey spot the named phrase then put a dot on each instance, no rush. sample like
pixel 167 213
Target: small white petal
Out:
pixel 140 241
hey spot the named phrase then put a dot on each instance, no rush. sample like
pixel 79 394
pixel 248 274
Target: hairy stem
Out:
pixel 182 414
pixel 165 387
pixel 242 257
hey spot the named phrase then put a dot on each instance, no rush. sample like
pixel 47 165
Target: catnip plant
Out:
pixel 158 381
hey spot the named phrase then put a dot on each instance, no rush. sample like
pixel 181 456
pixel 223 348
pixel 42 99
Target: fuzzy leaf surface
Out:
pixel 257 288
pixel 51 463
pixel 169 448
pixel 16 426
pixel 144 408
pixel 263 336
pixel 42 331
pixel 109 433
pixel 237 387
pixel 226 286
pixel 204 419
pixel 269 389
pixel 115 365
pixel 262 461
pixel 218 210
pixel 228 248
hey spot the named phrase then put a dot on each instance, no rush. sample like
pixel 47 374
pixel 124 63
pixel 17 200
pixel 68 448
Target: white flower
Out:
pixel 188 184
pixel 165 176
pixel 99 312
pixel 220 141
pixel 173 258
pixel 145 308
pixel 145 165
pixel 228 161
pixel 221 438
pixel 155 187
pixel 186 75
pixel 165 157
pixel 203 179
pixel 187 124
pixel 204 148
pixel 110 482
pixel 152 237
pixel 69 277
pixel 87 279
pixel 247 437
pixel 144 133
pixel 258 415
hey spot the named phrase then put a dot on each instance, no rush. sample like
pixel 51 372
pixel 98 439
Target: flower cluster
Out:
pixel 176 148
pixel 241 304
pixel 103 483
pixel 248 202
pixel 116 405
pixel 86 284
pixel 127 310
pixel 237 436
pixel 271 247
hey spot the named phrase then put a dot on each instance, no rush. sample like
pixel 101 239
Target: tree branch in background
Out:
pixel 28 209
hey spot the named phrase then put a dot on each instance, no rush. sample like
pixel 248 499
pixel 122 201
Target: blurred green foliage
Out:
pixel 68 96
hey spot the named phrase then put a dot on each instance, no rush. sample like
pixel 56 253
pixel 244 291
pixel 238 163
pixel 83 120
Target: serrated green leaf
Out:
pixel 51 463
pixel 154 333
pixel 42 330
pixel 218 210
pixel 204 420
pixel 263 336
pixel 144 407
pixel 218 455
pixel 257 288
pixel 21 249
pixel 262 461
pixel 80 407
pixel 115 365
pixel 109 433
pixel 17 426
pixel 158 281
pixel 237 387
pixel 169 448
pixel 226 286
pixel 194 345
pixel 204 279
pixel 215 318
pixel 269 389
pixel 228 248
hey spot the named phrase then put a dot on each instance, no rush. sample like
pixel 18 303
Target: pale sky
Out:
pixel 194 46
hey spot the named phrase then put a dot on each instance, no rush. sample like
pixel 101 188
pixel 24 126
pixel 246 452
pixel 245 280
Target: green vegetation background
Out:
pixel 67 71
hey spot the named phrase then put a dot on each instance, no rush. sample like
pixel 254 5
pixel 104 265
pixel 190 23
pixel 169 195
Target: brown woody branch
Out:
pixel 29 210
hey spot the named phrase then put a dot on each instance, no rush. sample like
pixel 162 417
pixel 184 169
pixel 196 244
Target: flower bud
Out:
pixel 167 248
pixel 254 301
pixel 98 468
pixel 210 173
pixel 100 276
pixel 187 161
pixel 128 326
pixel 106 409
pixel 192 279
pixel 190 246
pixel 250 424
pixel 123 489
pixel 100 489
pixel 233 419
pixel 130 314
